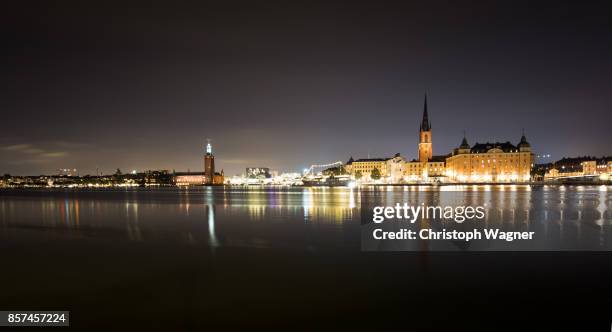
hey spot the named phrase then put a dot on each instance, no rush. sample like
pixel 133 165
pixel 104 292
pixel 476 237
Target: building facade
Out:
pixel 396 167
pixel 362 168
pixel 432 170
pixel 208 177
pixel 490 162
pixel 209 165
pixel 575 168
pixel 428 168
pixel 189 178
pixel 258 173
pixel 425 144
pixel 480 163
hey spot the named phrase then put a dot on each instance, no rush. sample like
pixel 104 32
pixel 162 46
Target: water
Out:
pixel 212 217
pixel 251 256
pixel 564 218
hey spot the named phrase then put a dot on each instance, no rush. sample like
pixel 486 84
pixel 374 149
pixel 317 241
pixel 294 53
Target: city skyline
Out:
pixel 285 87
pixel 29 150
pixel 207 151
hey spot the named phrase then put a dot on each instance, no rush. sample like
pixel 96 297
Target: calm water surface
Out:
pixel 251 256
pixel 567 217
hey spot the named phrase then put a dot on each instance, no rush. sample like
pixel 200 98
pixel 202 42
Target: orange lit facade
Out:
pixel 490 162
pixel 428 168
pixel 366 166
pixel 480 163
pixel 590 168
pixel 425 145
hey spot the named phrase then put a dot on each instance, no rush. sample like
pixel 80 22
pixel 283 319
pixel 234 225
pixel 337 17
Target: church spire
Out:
pixel 425 124
pixel 425 153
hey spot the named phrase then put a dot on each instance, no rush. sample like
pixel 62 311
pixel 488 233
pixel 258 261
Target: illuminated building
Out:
pixel 483 162
pixel 367 165
pixel 209 165
pixel 589 167
pixel 160 177
pixel 428 167
pixel 349 165
pixel 189 178
pixel 258 173
pixel 425 144
pixel 395 169
pixel 417 171
pixel 391 169
pixel 208 177
pixel 580 167
pixel 490 162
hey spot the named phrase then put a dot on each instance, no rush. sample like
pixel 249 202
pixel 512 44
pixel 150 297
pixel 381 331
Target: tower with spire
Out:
pixel 209 164
pixel 425 146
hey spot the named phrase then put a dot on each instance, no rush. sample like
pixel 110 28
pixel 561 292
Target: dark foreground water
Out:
pixel 252 257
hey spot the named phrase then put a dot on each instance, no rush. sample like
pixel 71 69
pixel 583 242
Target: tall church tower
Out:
pixel 209 165
pixel 425 149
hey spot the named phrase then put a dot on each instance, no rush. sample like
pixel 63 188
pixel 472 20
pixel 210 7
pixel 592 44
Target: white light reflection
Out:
pixel 211 225
pixel 352 204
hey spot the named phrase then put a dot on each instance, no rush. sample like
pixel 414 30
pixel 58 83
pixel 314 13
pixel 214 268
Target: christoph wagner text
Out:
pixel 411 213
pixel 429 234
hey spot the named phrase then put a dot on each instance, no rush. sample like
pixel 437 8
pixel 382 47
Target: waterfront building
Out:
pixel 349 165
pixel 157 177
pixel 490 162
pixel 196 178
pixel 209 165
pixel 425 144
pixel 366 166
pixel 258 173
pixel 427 167
pixel 391 169
pixel 432 170
pixel 589 167
pixel 483 162
pixel 208 177
pixel 580 167
pixel 395 169
pixel 189 178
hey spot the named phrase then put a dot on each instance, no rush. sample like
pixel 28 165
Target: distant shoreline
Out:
pixel 540 183
pixel 115 189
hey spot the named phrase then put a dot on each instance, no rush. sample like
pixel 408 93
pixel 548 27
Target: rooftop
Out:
pixel 370 159
pixel 484 147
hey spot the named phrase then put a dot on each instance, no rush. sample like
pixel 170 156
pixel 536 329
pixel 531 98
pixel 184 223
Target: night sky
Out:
pixel 104 85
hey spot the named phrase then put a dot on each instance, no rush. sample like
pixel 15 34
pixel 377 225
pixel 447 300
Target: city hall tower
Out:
pixel 209 165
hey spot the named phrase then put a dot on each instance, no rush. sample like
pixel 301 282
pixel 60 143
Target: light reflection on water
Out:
pixel 576 216
pixel 562 218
